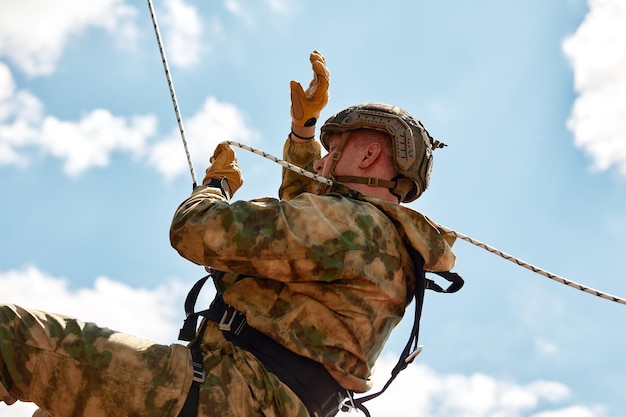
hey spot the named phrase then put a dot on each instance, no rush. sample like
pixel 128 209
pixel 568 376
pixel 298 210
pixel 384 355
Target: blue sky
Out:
pixel 529 97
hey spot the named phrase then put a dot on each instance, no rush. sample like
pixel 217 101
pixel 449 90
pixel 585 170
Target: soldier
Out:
pixel 310 285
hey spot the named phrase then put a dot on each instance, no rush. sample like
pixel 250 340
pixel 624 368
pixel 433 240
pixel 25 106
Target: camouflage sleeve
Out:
pixel 298 240
pixel 304 155
pixel 257 238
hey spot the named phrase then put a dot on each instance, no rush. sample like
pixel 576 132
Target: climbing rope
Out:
pixel 466 238
pixel 535 269
pixel 170 83
pixel 282 162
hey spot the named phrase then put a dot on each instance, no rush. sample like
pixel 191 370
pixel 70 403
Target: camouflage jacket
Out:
pixel 324 275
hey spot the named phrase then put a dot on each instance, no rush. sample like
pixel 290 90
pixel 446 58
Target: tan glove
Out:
pixel 306 105
pixel 224 165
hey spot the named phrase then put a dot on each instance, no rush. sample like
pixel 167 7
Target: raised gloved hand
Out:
pixel 224 165
pixel 306 105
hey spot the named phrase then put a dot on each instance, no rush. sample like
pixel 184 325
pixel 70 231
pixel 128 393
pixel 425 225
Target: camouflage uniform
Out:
pixel 73 369
pixel 325 276
pixel 70 368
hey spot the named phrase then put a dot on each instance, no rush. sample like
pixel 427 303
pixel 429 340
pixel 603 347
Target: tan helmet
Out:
pixel 412 144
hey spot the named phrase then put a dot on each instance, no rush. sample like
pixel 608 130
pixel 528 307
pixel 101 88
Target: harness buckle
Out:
pixel 414 354
pixel 198 372
pixel 226 322
pixel 347 404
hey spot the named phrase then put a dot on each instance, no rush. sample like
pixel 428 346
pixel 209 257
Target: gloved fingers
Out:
pixel 224 153
pixel 316 56
pixel 318 62
pixel 297 97
pixel 318 88
pixel 224 165
pixel 306 105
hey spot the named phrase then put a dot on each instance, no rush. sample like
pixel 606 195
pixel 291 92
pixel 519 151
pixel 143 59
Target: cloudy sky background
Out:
pixel 529 96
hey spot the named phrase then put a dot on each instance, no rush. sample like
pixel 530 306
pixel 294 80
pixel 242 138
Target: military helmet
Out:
pixel 412 144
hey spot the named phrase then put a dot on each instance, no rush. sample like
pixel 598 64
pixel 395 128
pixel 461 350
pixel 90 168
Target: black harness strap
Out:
pixel 320 393
pixel 190 408
pixel 188 333
pixel 308 379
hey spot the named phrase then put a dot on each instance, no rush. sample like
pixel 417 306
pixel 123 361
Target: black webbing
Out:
pixel 190 408
pixel 189 333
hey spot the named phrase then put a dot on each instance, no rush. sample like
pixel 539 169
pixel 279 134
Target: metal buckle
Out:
pixel 414 354
pixel 198 372
pixel 346 404
pixel 226 322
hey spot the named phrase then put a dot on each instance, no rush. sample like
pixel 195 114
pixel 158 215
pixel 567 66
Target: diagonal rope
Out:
pixel 170 83
pixel 466 238
pixel 535 269
pixel 282 162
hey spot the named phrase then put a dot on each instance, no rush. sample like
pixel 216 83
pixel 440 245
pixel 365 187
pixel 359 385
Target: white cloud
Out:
pixel 16 104
pixel 90 142
pixel 182 34
pixel 7 84
pixel 574 411
pixel 419 390
pixel 215 122
pixel 84 144
pixel 234 7
pixel 154 313
pixel 149 313
pixel 25 130
pixel 33 33
pixel 17 410
pixel 246 13
pixel 597 53
pixel 20 112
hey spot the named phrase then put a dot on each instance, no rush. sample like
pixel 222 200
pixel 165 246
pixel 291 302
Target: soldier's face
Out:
pixel 347 162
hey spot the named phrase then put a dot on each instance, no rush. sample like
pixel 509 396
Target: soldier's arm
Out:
pixel 301 148
pixel 303 154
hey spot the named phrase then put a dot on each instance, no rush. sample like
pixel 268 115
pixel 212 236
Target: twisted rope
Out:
pixel 170 83
pixel 461 236
pixel 282 162
pixel 535 269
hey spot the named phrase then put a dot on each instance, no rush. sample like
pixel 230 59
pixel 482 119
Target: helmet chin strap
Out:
pixel 399 187
pixel 324 188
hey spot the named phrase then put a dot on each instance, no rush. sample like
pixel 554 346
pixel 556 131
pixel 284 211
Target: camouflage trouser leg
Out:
pixel 70 368
pixel 238 385
pixel 73 369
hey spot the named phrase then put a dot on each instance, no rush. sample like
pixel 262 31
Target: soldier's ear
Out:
pixel 370 154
